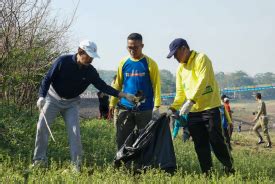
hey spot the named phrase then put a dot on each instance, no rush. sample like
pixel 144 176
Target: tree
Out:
pixel 30 40
pixel 168 82
pixel 266 78
pixel 221 79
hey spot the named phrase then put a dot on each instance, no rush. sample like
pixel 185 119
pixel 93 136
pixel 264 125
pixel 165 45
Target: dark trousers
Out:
pixel 227 138
pixel 205 129
pixel 103 111
pixel 126 122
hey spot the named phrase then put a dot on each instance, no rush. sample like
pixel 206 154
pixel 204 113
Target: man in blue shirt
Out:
pixel 68 77
pixel 137 73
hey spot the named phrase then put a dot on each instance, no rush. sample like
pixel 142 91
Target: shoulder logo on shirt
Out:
pixel 83 78
pixel 207 90
pixel 135 73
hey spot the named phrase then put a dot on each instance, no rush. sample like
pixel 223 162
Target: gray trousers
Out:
pixel 69 110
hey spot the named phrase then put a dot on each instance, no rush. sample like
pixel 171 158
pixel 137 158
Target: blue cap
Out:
pixel 175 44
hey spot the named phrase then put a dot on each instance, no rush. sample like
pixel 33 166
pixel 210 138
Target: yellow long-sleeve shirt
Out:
pixel 154 77
pixel 195 80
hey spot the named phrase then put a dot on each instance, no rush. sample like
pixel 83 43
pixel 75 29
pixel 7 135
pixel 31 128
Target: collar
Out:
pixel 80 66
pixel 74 58
pixel 192 55
pixel 143 56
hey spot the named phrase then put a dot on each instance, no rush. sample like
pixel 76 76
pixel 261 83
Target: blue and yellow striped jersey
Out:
pixel 134 75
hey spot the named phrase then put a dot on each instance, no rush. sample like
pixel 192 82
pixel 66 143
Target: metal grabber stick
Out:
pixel 47 125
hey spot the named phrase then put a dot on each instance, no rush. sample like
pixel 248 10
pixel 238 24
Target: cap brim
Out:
pixel 96 55
pixel 92 54
pixel 172 52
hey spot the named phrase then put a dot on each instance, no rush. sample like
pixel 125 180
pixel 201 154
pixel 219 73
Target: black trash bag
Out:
pixel 151 147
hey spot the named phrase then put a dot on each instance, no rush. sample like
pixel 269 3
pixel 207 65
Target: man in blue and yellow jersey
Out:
pixel 197 95
pixel 136 73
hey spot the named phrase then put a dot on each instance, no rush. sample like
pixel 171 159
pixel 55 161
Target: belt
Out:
pixel 130 109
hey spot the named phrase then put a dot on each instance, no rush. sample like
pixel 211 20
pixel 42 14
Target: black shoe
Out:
pixel 229 171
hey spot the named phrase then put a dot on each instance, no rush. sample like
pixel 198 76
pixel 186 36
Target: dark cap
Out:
pixel 258 95
pixel 175 44
pixel 224 96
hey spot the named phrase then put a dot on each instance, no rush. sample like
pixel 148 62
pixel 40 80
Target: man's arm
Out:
pixel 155 80
pixel 204 70
pixel 101 85
pixel 259 112
pixel 229 120
pixel 180 95
pixel 51 74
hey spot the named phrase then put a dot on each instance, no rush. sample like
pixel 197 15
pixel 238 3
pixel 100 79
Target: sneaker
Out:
pixel 39 164
pixel 268 145
pixel 75 169
pixel 260 141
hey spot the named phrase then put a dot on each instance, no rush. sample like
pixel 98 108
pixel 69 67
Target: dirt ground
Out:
pixel 242 111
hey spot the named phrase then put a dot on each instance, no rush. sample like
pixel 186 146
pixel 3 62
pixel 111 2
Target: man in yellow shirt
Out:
pixel 136 73
pixel 197 95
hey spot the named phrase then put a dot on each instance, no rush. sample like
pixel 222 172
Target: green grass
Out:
pixel 253 164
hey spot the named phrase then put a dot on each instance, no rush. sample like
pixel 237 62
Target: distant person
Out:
pixel 240 126
pixel 136 72
pixel 197 95
pixel 226 122
pixel 261 121
pixel 59 92
pixel 103 105
pixel 228 109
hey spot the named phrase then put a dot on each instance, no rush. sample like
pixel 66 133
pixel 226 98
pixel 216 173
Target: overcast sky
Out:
pixel 236 34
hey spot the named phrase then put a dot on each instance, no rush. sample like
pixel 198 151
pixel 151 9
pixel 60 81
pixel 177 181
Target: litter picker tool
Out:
pixel 47 125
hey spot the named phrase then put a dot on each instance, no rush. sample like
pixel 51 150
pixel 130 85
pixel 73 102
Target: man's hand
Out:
pixel 128 96
pixel 111 112
pixel 155 113
pixel 170 111
pixel 185 109
pixel 40 102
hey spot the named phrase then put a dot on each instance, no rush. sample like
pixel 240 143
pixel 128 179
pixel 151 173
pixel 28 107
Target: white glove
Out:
pixel 128 96
pixel 169 113
pixel 185 109
pixel 155 113
pixel 40 102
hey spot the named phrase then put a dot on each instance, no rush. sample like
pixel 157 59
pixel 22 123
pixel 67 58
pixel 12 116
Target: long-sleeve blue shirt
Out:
pixel 69 79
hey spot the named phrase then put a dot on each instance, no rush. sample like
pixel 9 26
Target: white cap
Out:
pixel 226 99
pixel 89 47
